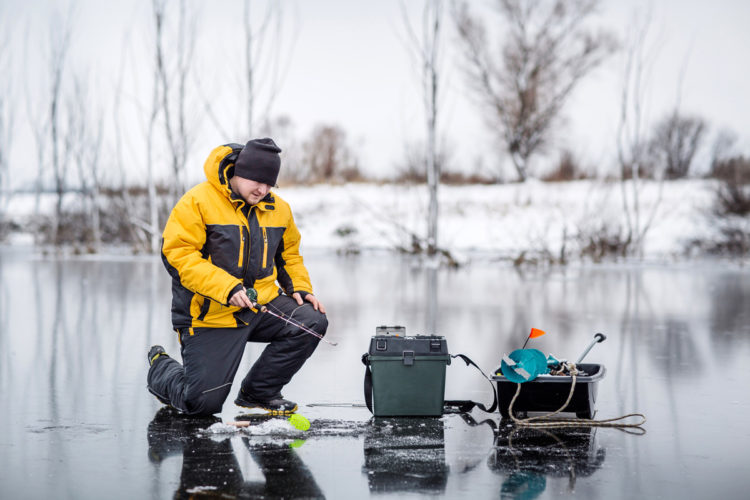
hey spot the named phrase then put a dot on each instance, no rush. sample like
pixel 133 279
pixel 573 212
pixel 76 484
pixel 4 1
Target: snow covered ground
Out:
pixel 502 220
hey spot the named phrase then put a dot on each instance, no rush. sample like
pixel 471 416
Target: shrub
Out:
pixel 568 169
pixel 733 194
pixel 602 240
pixel 328 157
pixel 674 143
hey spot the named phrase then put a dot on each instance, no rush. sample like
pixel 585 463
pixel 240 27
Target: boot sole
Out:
pixel 269 411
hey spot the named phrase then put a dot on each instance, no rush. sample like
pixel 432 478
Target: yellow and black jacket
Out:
pixel 213 242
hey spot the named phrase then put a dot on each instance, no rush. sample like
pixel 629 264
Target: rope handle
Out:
pixel 545 422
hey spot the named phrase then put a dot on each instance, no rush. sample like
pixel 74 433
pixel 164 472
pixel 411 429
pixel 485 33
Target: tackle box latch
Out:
pixel 381 345
pixel 435 345
pixel 408 358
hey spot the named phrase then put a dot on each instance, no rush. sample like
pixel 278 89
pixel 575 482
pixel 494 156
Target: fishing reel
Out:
pixel 252 294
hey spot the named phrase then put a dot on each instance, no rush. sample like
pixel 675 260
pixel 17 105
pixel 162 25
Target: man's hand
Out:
pixel 239 299
pixel 312 299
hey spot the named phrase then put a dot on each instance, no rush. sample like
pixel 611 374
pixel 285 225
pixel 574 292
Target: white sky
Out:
pixel 350 67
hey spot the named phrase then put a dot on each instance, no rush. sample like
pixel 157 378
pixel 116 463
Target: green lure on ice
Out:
pixel 299 422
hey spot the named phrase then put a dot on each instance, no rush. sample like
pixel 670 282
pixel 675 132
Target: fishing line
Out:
pixel 253 295
pixel 289 317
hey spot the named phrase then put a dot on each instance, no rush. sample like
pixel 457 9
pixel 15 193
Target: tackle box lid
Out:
pixel 419 345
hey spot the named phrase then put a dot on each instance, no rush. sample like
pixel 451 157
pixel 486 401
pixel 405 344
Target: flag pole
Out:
pixel 527 341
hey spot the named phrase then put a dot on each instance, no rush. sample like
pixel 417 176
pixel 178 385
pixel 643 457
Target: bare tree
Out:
pixel 169 107
pixel 158 89
pixel 60 145
pixel 675 141
pixel 171 86
pixel 36 115
pixel 328 157
pixel 722 149
pixel 124 209
pixel 264 69
pixel 411 167
pixel 6 126
pixel 251 57
pixel 85 140
pixel 731 209
pixel 732 169
pixel 733 194
pixel 261 74
pixel 47 125
pixel 282 129
pixel 547 53
pixel 632 144
pixel 428 52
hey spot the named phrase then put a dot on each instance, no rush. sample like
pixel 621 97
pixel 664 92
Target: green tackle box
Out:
pixel 406 375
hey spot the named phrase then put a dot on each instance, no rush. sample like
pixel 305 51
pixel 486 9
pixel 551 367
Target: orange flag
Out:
pixel 536 332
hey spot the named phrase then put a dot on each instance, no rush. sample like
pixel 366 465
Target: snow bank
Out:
pixel 504 220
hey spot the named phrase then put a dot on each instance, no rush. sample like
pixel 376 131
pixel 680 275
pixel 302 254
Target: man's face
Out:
pixel 250 191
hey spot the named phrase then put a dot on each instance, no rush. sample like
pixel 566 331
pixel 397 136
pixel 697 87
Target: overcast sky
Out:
pixel 348 65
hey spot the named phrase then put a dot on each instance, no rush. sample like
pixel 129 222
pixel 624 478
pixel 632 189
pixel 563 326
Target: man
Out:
pixel 225 236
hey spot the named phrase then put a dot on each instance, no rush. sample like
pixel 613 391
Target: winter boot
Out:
pixel 155 352
pixel 275 406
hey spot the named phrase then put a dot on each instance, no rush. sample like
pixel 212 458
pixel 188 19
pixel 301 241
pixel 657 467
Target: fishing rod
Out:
pixel 252 294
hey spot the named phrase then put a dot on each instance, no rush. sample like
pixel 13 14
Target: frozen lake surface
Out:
pixel 77 421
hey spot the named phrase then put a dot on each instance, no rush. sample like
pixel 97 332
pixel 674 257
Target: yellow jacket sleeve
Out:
pixel 183 240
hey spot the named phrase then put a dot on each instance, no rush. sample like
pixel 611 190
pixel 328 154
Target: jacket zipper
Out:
pixel 246 256
pixel 265 248
pixel 241 256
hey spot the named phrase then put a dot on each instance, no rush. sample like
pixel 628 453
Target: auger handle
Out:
pixel 599 337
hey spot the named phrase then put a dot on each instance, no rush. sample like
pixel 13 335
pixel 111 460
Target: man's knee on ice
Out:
pixel 207 403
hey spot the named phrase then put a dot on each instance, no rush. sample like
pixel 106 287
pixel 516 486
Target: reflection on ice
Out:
pixel 406 455
pixel 527 456
pixel 210 465
pixel 74 336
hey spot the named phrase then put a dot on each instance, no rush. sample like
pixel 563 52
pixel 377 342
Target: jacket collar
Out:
pixel 267 203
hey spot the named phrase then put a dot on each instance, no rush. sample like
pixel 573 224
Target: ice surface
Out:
pixel 78 422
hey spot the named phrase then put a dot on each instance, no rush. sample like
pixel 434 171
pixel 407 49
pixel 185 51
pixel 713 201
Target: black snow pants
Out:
pixel 211 356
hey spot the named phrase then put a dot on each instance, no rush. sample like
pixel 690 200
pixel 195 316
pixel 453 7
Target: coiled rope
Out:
pixel 544 421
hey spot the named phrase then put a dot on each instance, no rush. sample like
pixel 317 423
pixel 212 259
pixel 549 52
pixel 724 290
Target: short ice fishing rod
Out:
pixel 252 294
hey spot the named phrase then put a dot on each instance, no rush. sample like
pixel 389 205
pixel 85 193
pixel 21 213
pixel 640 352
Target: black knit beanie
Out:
pixel 259 161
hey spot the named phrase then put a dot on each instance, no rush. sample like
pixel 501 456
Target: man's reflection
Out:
pixel 210 467
pixel 529 455
pixel 405 455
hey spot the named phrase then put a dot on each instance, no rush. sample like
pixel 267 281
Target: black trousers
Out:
pixel 211 356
